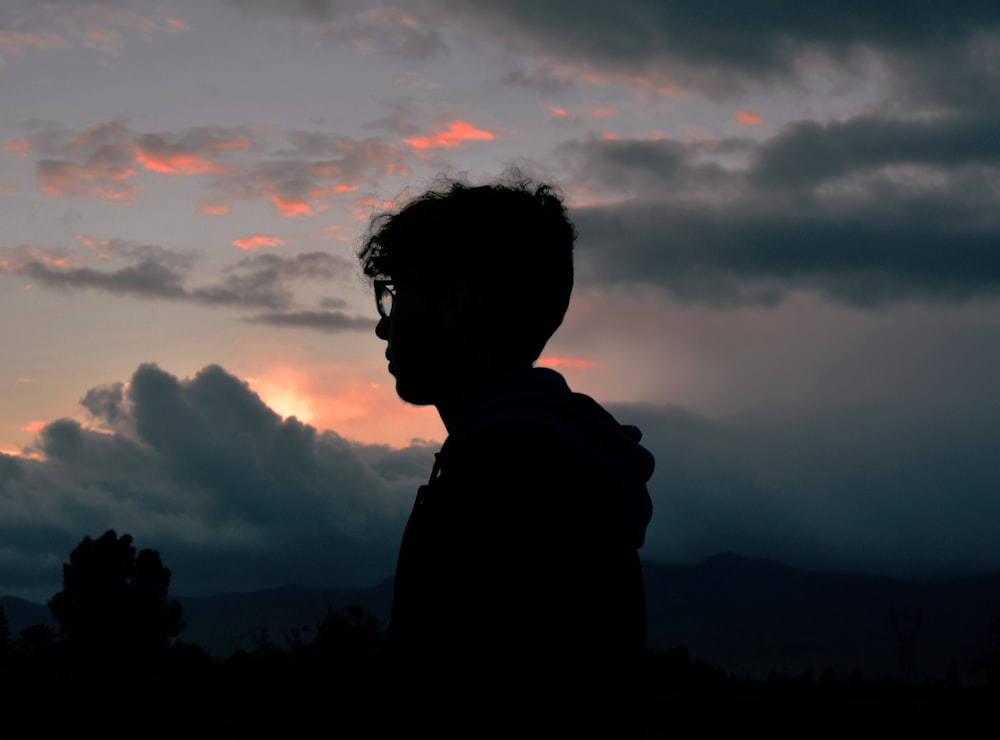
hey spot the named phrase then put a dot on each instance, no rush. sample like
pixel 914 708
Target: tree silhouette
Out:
pixel 114 607
pixel 4 632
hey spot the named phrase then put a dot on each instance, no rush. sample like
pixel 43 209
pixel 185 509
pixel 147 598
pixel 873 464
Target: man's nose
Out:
pixel 382 328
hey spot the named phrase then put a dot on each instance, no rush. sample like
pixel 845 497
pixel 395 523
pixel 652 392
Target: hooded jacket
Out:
pixel 520 555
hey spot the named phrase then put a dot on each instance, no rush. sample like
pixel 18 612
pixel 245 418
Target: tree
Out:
pixel 114 606
pixel 4 632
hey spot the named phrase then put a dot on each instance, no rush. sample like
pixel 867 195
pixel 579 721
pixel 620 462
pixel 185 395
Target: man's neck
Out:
pixel 467 395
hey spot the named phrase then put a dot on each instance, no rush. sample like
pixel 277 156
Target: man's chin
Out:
pixel 415 396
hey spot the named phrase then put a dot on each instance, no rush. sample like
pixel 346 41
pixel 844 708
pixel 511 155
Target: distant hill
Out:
pixel 752 616
pixel 744 615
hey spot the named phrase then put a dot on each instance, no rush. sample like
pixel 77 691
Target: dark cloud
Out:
pixel 318 9
pixel 264 280
pixel 329 321
pixel 148 278
pixel 867 211
pixel 808 153
pixel 724 46
pixel 894 489
pixel 232 495
pixel 105 402
pixel 350 21
pixel 235 497
pixel 258 281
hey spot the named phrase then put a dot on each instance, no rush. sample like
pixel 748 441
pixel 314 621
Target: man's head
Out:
pixel 493 262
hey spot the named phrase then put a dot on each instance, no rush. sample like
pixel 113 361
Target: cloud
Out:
pixel 258 240
pixel 298 172
pixel 453 134
pixel 304 176
pixel 897 490
pixel 317 9
pixel 192 153
pixel 201 469
pixel 97 162
pixel 749 118
pixel 349 21
pixel 724 49
pixel 327 321
pixel 149 279
pixel 867 211
pixel 100 26
pixel 14 43
pixel 264 280
pixel 235 497
pixel 259 281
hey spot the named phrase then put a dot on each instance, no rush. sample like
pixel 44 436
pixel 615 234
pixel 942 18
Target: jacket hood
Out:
pixel 541 396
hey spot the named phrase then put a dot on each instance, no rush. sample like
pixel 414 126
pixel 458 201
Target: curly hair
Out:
pixel 511 239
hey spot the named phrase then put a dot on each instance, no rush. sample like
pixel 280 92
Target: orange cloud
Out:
pixel 176 24
pixel 178 164
pixel 610 136
pixel 97 181
pixel 558 111
pixel 256 241
pixel 17 146
pixel 573 362
pixel 34 426
pixel 602 112
pixel 333 190
pixel 749 118
pixel 291 207
pixel 215 210
pixel 14 42
pixel 454 133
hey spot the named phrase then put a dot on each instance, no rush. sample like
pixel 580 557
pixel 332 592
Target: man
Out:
pixel 518 594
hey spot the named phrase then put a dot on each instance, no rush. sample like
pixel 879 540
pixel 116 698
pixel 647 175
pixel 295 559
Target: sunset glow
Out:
pixel 454 133
pixel 257 240
pixel 292 207
pixel 749 118
pixel 178 164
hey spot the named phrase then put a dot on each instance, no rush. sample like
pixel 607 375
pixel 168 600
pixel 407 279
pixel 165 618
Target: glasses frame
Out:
pixel 384 289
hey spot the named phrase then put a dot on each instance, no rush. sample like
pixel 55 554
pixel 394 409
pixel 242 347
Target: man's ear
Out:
pixel 456 302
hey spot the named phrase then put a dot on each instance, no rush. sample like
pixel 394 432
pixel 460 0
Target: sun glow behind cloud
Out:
pixel 339 399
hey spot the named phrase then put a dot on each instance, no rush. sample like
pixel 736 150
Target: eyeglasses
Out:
pixel 385 294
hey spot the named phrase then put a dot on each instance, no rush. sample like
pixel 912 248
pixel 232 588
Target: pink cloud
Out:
pixel 257 240
pixel 558 111
pixel 95 181
pixel 597 112
pixel 188 154
pixel 17 146
pixel 179 164
pixel 215 209
pixel 34 426
pixel 291 207
pixel 749 118
pixel 453 134
pixel 14 43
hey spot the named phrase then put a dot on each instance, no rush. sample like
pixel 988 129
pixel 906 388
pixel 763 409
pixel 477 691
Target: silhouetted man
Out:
pixel 518 598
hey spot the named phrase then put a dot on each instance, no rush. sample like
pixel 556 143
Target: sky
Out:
pixel 787 270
